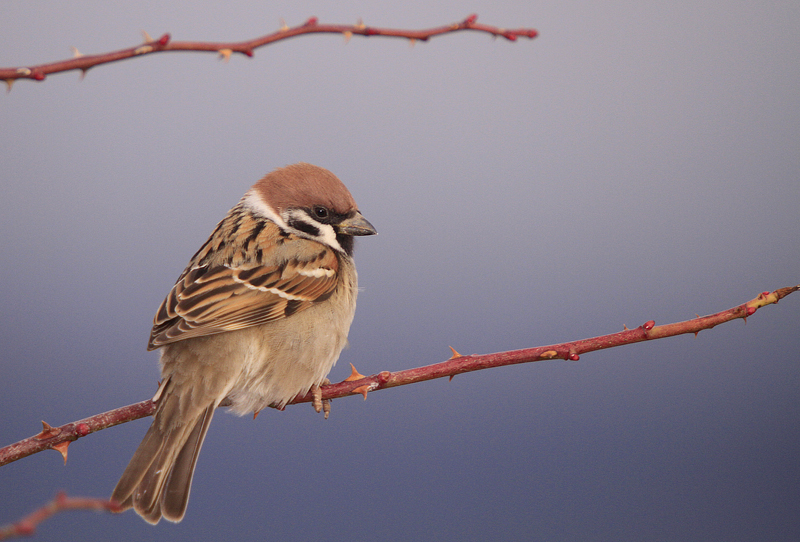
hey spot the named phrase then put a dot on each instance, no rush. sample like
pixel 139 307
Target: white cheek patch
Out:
pixel 326 235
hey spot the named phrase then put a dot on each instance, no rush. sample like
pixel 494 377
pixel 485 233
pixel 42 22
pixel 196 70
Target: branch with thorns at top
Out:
pixel 226 49
pixel 59 438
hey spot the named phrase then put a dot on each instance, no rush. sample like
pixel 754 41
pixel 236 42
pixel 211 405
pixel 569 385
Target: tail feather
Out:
pixel 145 454
pixel 175 495
pixel 158 478
pixel 147 495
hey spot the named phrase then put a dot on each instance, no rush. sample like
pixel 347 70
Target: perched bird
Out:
pixel 258 316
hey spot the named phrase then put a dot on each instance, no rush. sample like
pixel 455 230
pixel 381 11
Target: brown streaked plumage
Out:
pixel 240 289
pixel 259 315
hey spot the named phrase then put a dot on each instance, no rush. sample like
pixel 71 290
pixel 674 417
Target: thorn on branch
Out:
pixel 62 448
pixel 363 390
pixel 48 431
pixel 354 374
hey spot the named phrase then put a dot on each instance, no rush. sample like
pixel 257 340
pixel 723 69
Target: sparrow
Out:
pixel 260 315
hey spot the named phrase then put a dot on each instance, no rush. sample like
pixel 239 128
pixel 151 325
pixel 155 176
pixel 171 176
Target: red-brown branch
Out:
pixel 27 525
pixel 225 49
pixel 59 437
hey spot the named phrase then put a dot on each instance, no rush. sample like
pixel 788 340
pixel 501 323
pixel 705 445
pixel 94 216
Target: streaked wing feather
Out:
pixel 213 299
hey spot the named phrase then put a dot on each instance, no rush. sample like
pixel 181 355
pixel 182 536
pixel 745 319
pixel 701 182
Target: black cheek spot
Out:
pixel 305 227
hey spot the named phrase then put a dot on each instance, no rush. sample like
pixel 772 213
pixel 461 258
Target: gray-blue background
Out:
pixel 639 160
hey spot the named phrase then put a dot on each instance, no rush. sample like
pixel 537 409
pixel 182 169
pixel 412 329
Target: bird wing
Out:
pixel 286 278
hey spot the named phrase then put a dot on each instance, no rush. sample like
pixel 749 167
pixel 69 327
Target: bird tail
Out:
pixel 158 479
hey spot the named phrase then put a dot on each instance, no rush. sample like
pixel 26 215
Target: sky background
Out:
pixel 637 161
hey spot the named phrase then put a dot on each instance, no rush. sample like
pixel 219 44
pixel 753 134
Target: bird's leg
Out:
pixel 320 404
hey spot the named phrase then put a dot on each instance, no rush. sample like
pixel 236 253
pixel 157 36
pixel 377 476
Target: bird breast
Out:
pixel 284 358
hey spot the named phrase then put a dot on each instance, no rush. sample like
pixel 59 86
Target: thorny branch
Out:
pixel 226 49
pixel 58 438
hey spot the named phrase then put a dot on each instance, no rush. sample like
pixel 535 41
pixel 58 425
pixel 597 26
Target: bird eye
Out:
pixel 320 212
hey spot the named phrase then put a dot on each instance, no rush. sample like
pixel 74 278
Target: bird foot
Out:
pixel 320 404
